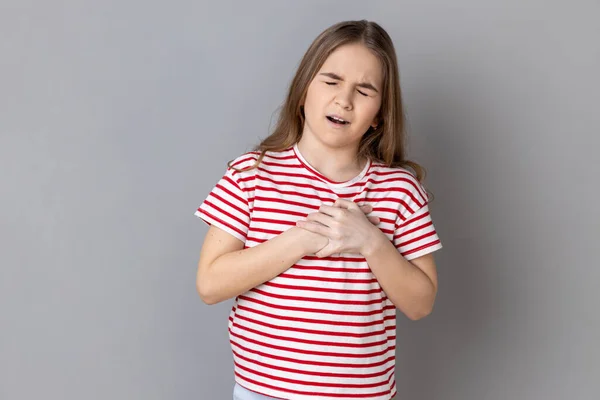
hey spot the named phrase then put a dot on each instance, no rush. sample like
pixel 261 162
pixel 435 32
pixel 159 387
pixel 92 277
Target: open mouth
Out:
pixel 337 120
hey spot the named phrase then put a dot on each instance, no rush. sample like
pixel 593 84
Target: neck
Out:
pixel 337 164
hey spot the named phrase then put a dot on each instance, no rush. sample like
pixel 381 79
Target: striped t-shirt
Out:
pixel 324 328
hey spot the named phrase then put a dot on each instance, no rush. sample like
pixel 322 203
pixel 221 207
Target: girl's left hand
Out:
pixel 344 224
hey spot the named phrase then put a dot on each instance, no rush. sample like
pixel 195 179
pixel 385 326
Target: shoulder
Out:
pixel 250 158
pixel 401 184
pixel 247 166
pixel 253 161
pixel 244 161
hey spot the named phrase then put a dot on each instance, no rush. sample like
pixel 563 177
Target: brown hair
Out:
pixel 386 143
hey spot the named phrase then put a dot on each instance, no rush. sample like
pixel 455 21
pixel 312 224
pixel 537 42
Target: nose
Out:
pixel 344 99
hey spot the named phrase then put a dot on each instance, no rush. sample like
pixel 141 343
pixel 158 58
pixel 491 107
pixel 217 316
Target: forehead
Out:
pixel 354 62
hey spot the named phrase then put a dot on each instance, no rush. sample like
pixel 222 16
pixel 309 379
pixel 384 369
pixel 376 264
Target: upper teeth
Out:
pixel 338 119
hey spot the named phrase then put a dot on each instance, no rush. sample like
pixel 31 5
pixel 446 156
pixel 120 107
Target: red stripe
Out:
pixel 272 221
pixel 420 248
pixel 391 190
pixel 320 300
pixel 314 373
pixel 318 394
pixel 408 232
pixel 289 174
pixel 298 214
pixel 318 321
pixel 419 202
pixel 396 212
pixel 347 196
pixel 287 212
pixel 411 219
pixel 390 200
pixel 222 222
pixel 317 310
pixel 247 157
pixel 313 342
pixel 275 232
pixel 312 352
pixel 276 164
pixel 387 231
pixel 316 363
pixel 324 279
pixel 256 240
pixel 226 213
pixel 311 331
pixel 288 157
pixel 230 204
pixel 293 223
pixel 235 185
pixel 327 290
pixel 344 259
pixel 289 183
pixel 385 220
pixel 360 184
pixel 393 171
pixel 418 238
pixel 331 269
pixel 293 193
pixel 368 199
pixel 313 383
pixel 412 180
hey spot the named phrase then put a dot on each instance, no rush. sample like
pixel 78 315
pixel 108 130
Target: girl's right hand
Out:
pixel 313 242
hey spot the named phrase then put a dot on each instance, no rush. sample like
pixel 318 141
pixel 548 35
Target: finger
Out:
pixel 325 252
pixel 374 220
pixel 332 211
pixel 346 204
pixel 320 218
pixel 367 208
pixel 314 227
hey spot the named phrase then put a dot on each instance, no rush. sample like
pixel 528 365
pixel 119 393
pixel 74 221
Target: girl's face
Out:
pixel 348 86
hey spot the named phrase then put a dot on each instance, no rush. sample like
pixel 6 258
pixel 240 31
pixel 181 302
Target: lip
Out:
pixel 339 117
pixel 337 126
pixel 333 125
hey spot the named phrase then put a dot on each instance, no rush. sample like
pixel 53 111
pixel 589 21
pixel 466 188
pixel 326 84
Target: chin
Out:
pixel 334 138
pixel 338 143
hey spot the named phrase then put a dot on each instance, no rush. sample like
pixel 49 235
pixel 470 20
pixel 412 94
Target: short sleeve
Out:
pixel 415 234
pixel 227 206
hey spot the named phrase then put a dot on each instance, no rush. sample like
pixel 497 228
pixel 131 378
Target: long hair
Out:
pixel 386 143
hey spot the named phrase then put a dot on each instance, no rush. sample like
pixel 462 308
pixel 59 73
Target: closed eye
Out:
pixel 333 83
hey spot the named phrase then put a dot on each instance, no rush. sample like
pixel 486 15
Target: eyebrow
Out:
pixel 365 85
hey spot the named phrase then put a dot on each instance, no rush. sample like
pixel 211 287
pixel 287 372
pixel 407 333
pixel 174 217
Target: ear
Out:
pixel 375 123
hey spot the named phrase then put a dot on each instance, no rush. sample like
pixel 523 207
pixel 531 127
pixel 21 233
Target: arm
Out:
pixel 226 269
pixel 410 285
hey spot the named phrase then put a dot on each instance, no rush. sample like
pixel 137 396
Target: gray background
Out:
pixel 118 117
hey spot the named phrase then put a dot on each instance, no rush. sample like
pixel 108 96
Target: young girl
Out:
pixel 323 232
